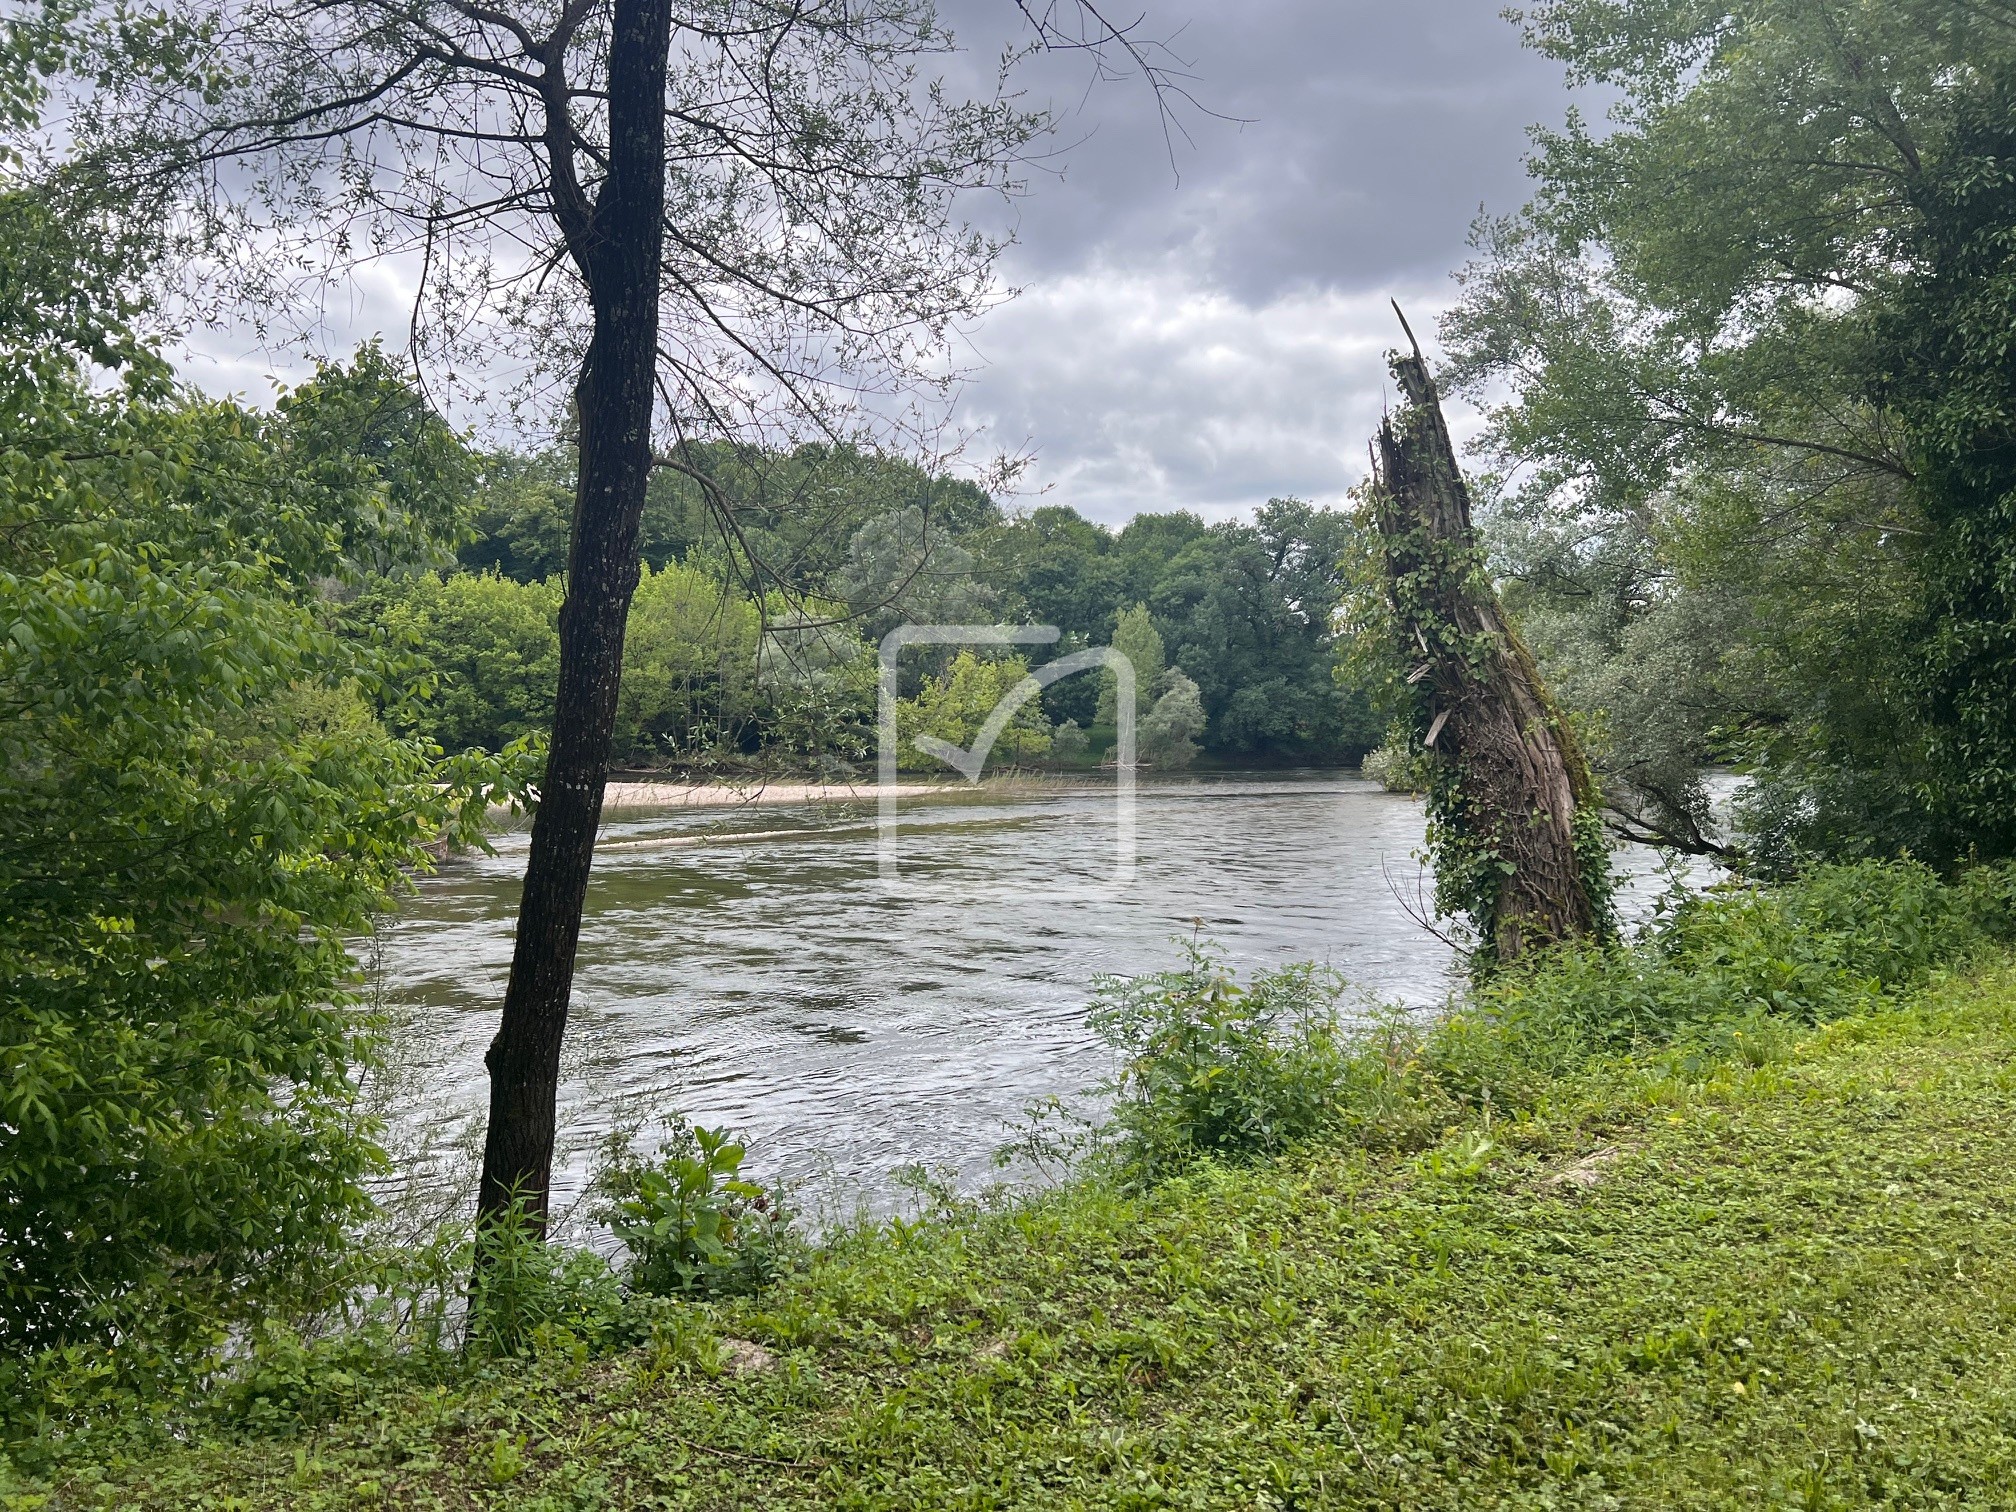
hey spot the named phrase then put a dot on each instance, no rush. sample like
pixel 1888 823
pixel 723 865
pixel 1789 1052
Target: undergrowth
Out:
pixel 1302 1255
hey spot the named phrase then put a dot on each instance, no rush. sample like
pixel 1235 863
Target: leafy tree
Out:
pixel 1061 569
pixel 197 813
pixel 1950 345
pixel 1136 638
pixel 953 708
pixel 361 432
pixel 1169 731
pixel 1248 611
pixel 1732 328
pixel 689 666
pixel 900 570
pixel 523 516
pixel 490 648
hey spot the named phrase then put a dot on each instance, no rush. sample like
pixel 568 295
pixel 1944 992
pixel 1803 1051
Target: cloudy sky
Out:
pixel 1204 327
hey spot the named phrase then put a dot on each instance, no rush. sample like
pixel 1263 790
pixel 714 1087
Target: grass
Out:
pixel 1777 1273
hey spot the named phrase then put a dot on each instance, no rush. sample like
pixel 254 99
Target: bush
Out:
pixel 1840 940
pixel 1216 1069
pixel 529 1296
pixel 1237 1073
pixel 692 1225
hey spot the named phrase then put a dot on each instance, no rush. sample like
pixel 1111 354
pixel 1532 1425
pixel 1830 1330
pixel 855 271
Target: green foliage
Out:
pixel 1168 734
pixel 1757 335
pixel 1136 638
pixel 689 666
pixel 362 433
pixel 198 813
pixel 1216 1069
pixel 527 1296
pixel 693 1225
pixel 703 676
pixel 1246 610
pixel 1841 940
pixel 825 534
pixel 524 516
pixel 904 568
pixel 489 653
pixel 1951 343
pixel 953 709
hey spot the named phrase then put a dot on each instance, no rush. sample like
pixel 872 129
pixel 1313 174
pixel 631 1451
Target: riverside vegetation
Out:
pixel 1717 1216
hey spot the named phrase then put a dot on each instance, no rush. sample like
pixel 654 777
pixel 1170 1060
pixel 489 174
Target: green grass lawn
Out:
pixel 1781 1277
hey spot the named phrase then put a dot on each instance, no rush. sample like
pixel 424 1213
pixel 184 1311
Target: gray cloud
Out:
pixel 1211 334
pixel 1206 333
pixel 1362 138
pixel 1148 391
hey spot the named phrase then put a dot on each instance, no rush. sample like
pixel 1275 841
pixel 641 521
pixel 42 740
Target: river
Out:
pixel 756 971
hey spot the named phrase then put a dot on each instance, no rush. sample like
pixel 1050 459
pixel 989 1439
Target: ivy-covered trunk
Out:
pixel 1514 828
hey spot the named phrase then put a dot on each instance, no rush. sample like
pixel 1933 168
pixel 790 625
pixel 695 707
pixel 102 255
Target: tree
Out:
pixel 198 812
pixel 1513 822
pixel 1732 329
pixel 902 570
pixel 491 648
pixel 1170 728
pixel 953 708
pixel 1136 638
pixel 689 666
pixel 1248 611
pixel 745 208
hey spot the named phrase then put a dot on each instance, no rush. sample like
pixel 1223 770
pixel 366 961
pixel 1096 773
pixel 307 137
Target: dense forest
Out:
pixel 771 576
pixel 1745 493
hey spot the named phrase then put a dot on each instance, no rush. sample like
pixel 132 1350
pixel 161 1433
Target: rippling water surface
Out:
pixel 765 979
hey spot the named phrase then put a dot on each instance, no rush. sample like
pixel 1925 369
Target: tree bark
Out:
pixel 1516 779
pixel 618 246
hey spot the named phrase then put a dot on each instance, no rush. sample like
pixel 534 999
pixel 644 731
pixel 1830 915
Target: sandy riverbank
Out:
pixel 641 795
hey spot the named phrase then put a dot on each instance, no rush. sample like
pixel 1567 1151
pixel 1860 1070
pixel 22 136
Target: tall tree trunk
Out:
pixel 1513 800
pixel 619 248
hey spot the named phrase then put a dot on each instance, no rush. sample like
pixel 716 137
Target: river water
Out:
pixel 756 971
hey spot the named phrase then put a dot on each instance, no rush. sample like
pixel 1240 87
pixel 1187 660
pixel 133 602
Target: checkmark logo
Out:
pixel 971 762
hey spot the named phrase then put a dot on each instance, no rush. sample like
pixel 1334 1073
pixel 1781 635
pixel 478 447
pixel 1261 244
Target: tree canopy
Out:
pixel 1756 335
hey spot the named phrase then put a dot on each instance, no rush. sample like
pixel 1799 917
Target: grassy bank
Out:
pixel 1763 1261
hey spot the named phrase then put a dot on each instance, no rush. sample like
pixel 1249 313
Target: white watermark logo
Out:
pixel 971 761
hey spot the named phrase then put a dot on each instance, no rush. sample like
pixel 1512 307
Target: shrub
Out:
pixel 1236 1073
pixel 692 1224
pixel 1219 1069
pixel 1840 940
pixel 529 1296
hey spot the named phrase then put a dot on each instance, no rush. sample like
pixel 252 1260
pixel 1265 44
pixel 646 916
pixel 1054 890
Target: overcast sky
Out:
pixel 1208 332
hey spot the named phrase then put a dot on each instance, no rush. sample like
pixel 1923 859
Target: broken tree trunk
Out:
pixel 1511 805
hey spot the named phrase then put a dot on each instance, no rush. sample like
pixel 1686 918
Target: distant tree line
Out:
pixel 769 578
